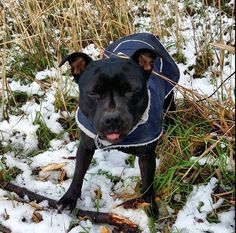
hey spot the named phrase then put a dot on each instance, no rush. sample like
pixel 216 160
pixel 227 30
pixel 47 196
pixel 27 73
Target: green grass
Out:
pixel 151 225
pixel 189 136
pixel 130 161
pixel 98 197
pixel 45 135
pixel 46 34
pixel 65 102
pixel 109 176
pixel 6 173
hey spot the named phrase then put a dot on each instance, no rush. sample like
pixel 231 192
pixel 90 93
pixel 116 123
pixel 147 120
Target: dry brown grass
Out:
pixel 39 33
pixel 36 34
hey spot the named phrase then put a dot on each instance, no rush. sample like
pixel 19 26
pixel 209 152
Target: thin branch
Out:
pixel 4 229
pixel 123 224
pixel 217 88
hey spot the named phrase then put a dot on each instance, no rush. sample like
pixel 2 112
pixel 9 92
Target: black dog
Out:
pixel 121 105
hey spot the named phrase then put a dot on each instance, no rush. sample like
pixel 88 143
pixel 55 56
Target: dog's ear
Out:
pixel 78 62
pixel 145 58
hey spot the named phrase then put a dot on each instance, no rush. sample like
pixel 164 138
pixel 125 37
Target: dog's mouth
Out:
pixel 113 137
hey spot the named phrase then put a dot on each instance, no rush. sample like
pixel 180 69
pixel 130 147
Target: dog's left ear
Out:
pixel 145 58
pixel 78 62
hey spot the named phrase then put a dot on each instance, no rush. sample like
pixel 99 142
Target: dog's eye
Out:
pixel 93 94
pixel 136 90
pixel 132 92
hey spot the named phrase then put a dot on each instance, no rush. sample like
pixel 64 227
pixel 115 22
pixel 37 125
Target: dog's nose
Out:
pixel 112 120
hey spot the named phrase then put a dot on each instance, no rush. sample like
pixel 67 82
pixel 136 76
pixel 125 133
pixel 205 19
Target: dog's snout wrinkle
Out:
pixel 112 104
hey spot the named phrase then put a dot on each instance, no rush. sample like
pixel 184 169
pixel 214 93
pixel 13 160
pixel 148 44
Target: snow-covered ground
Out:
pixel 192 218
pixel 20 133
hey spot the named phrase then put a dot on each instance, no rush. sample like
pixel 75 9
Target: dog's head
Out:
pixel 113 92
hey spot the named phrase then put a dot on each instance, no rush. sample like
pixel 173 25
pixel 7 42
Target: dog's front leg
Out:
pixel 147 164
pixel 84 156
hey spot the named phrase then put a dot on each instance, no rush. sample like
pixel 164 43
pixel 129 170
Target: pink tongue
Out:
pixel 113 136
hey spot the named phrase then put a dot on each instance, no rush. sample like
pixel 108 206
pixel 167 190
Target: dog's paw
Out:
pixel 152 210
pixel 68 201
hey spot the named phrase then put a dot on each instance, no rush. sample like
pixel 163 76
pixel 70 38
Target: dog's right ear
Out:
pixel 78 62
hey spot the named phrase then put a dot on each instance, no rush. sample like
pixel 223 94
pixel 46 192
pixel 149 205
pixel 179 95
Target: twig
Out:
pixel 123 224
pixel 204 153
pixel 3 229
pixel 223 194
pixel 217 88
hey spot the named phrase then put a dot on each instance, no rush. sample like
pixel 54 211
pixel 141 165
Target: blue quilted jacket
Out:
pixel 149 128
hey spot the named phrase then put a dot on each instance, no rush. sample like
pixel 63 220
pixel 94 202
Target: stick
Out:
pixel 217 88
pixel 4 229
pixel 123 224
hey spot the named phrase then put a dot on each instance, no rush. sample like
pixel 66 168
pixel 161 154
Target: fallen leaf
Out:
pixel 120 220
pixel 62 177
pixel 53 167
pixel 165 229
pixel 104 229
pixel 42 178
pixel 36 205
pixel 37 217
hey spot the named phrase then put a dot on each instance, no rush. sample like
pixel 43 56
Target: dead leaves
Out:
pixel 36 217
pixel 223 46
pixel 53 167
pixel 104 229
pixel 136 203
pixel 44 173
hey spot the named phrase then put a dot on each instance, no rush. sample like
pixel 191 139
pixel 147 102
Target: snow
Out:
pixel 20 215
pixel 193 217
pixel 30 89
pixel 223 160
pixel 50 73
pixel 19 132
pixel 92 51
pixel 51 188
